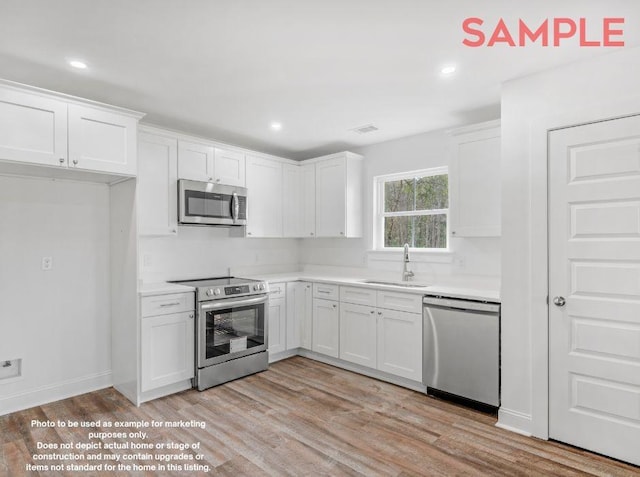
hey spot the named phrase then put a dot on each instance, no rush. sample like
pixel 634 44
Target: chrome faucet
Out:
pixel 406 273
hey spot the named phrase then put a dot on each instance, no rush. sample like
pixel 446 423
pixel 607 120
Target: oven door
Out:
pixel 231 328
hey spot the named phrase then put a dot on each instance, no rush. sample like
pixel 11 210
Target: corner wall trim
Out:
pixel 514 421
pixel 54 392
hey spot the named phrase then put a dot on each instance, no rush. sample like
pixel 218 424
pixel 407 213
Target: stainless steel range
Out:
pixel 231 329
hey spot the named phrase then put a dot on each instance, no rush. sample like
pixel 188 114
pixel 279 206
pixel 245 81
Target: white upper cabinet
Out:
pixel 40 128
pixel 157 185
pixel 307 199
pixel 229 167
pixel 339 196
pixel 102 141
pixel 195 161
pixel 299 200
pixel 264 202
pixel 32 128
pixel 474 181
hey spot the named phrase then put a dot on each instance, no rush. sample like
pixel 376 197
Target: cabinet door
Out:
pixel 326 328
pixel 195 161
pixel 307 199
pixel 400 344
pixel 474 179
pixel 331 198
pixel 277 325
pixel 358 328
pixel 291 203
pixel 32 128
pixel 229 167
pixel 102 141
pixel 264 202
pixel 167 349
pixel 299 315
pixel 157 185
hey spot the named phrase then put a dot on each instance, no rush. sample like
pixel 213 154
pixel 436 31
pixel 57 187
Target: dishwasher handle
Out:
pixel 455 304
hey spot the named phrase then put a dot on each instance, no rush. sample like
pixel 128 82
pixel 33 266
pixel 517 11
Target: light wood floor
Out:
pixel 303 418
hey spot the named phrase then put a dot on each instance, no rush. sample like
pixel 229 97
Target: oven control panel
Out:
pixel 236 290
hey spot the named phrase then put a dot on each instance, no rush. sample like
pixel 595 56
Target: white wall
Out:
pixel 590 90
pixel 57 321
pixel 200 252
pixel 472 256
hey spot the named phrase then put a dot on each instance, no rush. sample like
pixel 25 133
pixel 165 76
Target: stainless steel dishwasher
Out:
pixel 461 349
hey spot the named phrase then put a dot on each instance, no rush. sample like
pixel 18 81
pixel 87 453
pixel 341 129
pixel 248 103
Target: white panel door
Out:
pixel 157 185
pixel 102 141
pixel 195 161
pixel 167 349
pixel 594 267
pixel 32 128
pixel 326 328
pixel 299 315
pixel 400 343
pixel 358 329
pixel 229 167
pixel 277 325
pixel 330 198
pixel 264 202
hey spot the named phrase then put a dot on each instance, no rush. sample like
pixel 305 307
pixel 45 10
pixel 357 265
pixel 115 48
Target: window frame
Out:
pixel 379 214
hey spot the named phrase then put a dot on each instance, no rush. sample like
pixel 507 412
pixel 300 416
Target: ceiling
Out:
pixel 227 69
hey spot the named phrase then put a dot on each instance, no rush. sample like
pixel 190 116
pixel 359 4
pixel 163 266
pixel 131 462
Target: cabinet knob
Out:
pixel 379 313
pixel 75 162
pixel 453 232
pixel 334 305
pixel 311 233
pixel 249 233
pixel 174 231
pixel 61 160
pixel 341 233
pixel 217 180
pixel 372 312
pixel 191 315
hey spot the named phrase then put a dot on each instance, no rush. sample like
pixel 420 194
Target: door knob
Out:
pixel 559 301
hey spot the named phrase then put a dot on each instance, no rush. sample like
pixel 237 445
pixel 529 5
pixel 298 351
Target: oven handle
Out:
pixel 229 303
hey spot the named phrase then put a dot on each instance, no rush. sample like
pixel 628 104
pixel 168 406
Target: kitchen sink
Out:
pixel 396 284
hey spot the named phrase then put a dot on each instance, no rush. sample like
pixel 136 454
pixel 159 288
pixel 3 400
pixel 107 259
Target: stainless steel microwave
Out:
pixel 206 203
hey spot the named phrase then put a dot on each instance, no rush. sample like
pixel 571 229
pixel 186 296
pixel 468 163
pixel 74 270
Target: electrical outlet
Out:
pixel 47 263
pixel 10 368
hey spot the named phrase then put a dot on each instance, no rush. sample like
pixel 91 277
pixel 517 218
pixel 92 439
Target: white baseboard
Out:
pixel 274 357
pixel 514 421
pixel 164 391
pixel 54 392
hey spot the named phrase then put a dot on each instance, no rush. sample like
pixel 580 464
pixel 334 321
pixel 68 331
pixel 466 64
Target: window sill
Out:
pixel 431 256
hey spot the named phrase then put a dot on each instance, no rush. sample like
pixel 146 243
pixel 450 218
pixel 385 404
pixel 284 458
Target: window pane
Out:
pixel 430 231
pixel 432 192
pixel 398 195
pixel 397 231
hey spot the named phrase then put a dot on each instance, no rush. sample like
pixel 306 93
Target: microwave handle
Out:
pixel 235 207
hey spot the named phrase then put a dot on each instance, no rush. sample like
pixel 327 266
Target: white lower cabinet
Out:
pixel 384 339
pixel 299 315
pixel 167 349
pixel 326 328
pixel 400 344
pixel 358 330
pixel 277 328
pixel 167 339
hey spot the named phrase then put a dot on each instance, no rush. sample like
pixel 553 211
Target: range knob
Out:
pixel 256 287
pixel 261 286
pixel 210 292
pixel 216 292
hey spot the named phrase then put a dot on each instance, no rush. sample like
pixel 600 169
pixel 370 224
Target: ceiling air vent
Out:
pixel 367 128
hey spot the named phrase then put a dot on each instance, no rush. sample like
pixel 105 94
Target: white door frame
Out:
pixel 539 251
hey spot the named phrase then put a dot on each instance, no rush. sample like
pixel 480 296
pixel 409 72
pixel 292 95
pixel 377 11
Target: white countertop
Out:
pixel 162 288
pixel 470 288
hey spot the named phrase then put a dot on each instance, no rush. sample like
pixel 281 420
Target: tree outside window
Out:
pixel 413 208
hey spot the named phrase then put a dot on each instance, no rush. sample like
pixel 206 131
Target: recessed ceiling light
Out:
pixel 448 70
pixel 81 65
pixel 276 126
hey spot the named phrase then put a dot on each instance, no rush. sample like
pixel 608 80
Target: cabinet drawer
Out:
pixel 400 301
pixel 326 291
pixel 359 296
pixel 277 290
pixel 165 304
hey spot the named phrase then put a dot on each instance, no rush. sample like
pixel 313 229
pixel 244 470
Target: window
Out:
pixel 412 208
